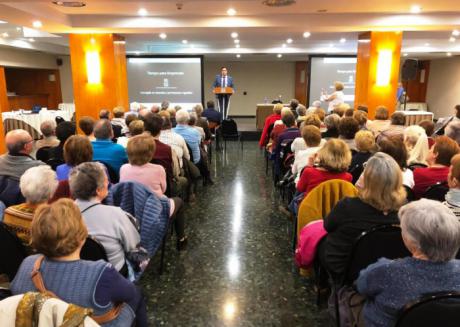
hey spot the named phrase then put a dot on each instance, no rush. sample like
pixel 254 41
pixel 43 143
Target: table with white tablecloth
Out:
pixel 69 107
pixel 24 119
pixel 415 117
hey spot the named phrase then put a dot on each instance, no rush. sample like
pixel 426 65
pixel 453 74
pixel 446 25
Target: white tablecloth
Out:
pixel 415 117
pixel 31 122
pixel 419 106
pixel 69 107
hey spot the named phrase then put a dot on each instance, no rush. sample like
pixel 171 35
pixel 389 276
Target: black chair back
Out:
pixel 229 128
pixel 54 162
pixel 380 241
pixel 113 175
pixel 416 165
pixel 43 153
pixel 10 193
pixel 93 250
pixel 12 253
pixel 437 191
pixel 440 309
pixel 410 193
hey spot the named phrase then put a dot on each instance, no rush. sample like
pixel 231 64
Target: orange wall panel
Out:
pixel 112 90
pixel 367 91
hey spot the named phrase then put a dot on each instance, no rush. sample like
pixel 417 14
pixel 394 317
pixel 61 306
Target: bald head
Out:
pixel 103 130
pixel 155 109
pixel 104 114
pixel 18 141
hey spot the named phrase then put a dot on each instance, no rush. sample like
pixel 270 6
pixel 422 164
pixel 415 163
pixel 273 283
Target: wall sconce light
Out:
pixel 384 67
pixel 93 67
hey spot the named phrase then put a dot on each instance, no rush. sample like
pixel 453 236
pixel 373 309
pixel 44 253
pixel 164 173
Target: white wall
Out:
pixel 444 86
pixel 65 72
pixel 258 79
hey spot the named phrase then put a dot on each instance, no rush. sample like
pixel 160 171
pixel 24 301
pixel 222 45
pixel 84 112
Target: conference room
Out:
pixel 229 163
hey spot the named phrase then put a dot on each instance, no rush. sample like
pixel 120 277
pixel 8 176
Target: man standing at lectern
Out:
pixel 223 80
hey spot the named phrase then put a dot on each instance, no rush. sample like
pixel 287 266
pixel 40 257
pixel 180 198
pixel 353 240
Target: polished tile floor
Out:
pixel 238 268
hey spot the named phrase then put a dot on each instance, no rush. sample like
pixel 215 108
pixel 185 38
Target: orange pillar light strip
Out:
pixel 93 67
pixel 384 67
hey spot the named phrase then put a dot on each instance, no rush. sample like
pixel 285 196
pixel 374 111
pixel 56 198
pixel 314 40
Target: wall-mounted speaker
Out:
pixel 409 69
pixel 59 61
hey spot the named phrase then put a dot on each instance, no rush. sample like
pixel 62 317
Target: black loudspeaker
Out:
pixel 59 61
pixel 409 70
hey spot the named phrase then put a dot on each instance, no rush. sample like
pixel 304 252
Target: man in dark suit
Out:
pixel 223 80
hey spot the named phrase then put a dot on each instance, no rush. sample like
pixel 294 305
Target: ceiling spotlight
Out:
pixel 236 41
pixel 71 4
pixel 449 54
pixel 284 45
pixel 452 39
pixel 306 34
pixel 5 35
pixel 231 12
pixel 238 55
pixel 37 24
pixel 415 9
pixel 3 22
pixel 237 45
pixel 234 35
pixel 289 41
pixel 405 54
pixel 279 55
pixel 142 12
pixel 31 40
pixel 343 40
pixel 184 41
pixel 163 36
pixel 456 33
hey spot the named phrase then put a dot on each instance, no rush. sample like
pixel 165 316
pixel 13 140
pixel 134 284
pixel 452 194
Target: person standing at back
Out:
pixel 223 80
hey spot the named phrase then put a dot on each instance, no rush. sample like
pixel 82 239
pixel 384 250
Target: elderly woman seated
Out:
pixel 432 234
pixel 311 136
pixel 332 126
pixel 108 224
pixel 438 160
pixel 416 142
pixel 58 234
pixel 77 149
pixel 365 146
pixel 381 122
pixel 453 180
pixel 37 185
pixel 299 142
pixel 377 203
pixel 348 127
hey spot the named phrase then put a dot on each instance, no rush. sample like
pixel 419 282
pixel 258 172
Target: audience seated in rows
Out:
pixel 432 234
pixel 397 126
pixel 116 128
pixel 202 121
pixel 380 197
pixel 278 128
pixel 416 143
pixel 77 149
pixel 361 118
pixel 118 119
pixel 311 136
pixel 287 135
pixel 269 121
pixel 381 122
pixel 136 127
pixel 110 225
pixel 86 125
pixel 104 150
pixel 301 112
pixel 37 185
pixel 453 130
pixel 17 160
pixel 49 139
pixel 58 234
pixel 191 136
pixel 348 127
pixel 299 142
pixel 64 130
pixel 211 114
pixel 365 148
pixel 141 149
pixel 315 105
pixel 174 140
pixel 438 159
pixel 332 122
pixel 453 179
pixel 428 126
pixel 192 122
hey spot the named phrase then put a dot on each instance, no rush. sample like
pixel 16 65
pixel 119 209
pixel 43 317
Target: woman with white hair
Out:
pixel 37 185
pixel 416 142
pixel 332 126
pixel 377 203
pixel 431 232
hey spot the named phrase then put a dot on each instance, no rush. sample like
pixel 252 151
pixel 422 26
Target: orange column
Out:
pixel 98 73
pixel 377 70
pixel 4 106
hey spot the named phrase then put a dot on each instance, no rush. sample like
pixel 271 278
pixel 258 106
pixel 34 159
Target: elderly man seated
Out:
pixel 48 129
pixel 114 155
pixel 14 163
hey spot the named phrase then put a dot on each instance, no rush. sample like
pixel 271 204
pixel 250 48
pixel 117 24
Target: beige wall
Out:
pixel 258 79
pixel 444 86
pixel 35 59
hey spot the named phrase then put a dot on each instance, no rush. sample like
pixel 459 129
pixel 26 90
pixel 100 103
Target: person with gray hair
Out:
pixel 202 121
pixel 314 106
pixel 19 144
pixel 164 105
pixel 48 129
pixel 109 225
pixel 193 122
pixel 453 131
pixel 301 111
pixel 431 232
pixel 332 122
pixel 104 150
pixel 37 185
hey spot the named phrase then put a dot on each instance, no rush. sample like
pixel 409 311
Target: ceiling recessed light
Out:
pixel 343 40
pixel 142 12
pixel 456 33
pixel 231 12
pixel 184 41
pixel 5 34
pixel 405 54
pixel 163 36
pixel 237 45
pixel 279 55
pixel 415 9
pixel 37 24
pixel 427 44
pixel 452 39
pixel 31 40
pixel 234 35
pixel 238 55
pixel 284 45
pixel 72 4
pixel 236 41
pixel 3 22
pixel 289 41
pixel 306 34
pixel 449 54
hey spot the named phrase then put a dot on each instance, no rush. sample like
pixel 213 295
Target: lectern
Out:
pixel 223 95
